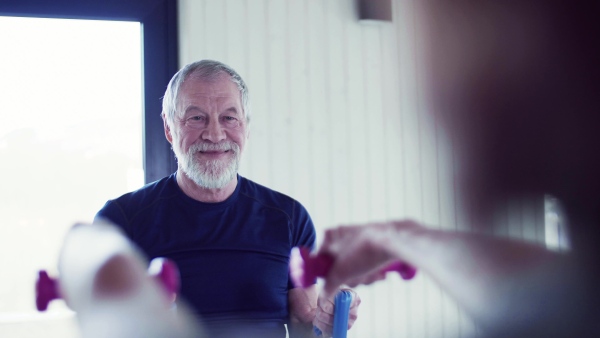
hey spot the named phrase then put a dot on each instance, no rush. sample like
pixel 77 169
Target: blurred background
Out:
pixel 338 122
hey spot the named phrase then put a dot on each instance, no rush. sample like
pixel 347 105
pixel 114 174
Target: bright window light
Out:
pixel 70 139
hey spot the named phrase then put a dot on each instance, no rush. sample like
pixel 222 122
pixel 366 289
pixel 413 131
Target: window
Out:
pixel 159 47
pixel 557 237
pixel 71 139
pixel 75 130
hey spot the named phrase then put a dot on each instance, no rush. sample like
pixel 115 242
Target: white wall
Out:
pixel 338 124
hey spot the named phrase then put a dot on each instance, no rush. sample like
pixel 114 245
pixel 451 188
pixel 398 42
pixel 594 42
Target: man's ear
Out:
pixel 167 128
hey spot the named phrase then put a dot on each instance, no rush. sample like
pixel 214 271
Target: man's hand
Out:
pixel 325 311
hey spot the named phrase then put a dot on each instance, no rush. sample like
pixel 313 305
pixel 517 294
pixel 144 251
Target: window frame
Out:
pixel 158 20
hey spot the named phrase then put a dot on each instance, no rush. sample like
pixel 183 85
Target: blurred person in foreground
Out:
pixel 516 85
pixel 230 237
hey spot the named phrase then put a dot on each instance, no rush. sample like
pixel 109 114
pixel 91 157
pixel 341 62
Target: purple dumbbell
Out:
pixel 304 268
pixel 46 290
pixel 163 270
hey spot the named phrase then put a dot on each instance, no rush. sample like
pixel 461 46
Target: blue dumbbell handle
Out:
pixel 340 315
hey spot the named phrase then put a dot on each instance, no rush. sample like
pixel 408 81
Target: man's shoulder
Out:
pixel 260 197
pixel 149 193
pixel 267 196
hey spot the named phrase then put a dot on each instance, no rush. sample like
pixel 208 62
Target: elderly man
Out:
pixel 230 237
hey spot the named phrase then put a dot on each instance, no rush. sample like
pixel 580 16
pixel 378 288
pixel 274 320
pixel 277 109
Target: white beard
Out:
pixel 211 174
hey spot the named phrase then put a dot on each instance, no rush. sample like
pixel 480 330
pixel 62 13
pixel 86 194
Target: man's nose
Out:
pixel 214 132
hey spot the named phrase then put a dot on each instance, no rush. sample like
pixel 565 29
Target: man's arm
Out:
pixel 306 307
pixel 302 308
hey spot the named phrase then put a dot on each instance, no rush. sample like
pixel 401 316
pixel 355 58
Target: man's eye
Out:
pixel 230 121
pixel 196 121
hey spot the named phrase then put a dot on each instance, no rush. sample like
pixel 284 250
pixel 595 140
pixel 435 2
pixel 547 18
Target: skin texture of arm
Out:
pixel 302 308
pixel 501 283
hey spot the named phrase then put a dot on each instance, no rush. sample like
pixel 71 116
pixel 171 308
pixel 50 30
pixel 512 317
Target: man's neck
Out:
pixel 191 189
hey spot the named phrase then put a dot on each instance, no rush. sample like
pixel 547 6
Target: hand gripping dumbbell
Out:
pixel 305 268
pixel 163 270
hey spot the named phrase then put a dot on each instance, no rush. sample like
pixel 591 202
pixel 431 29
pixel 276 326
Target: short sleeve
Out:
pixel 304 233
pixel 113 213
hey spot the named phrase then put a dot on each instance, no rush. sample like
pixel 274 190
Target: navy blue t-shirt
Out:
pixel 233 255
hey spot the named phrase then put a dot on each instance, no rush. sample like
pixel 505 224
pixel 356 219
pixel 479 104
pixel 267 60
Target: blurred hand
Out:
pixel 360 253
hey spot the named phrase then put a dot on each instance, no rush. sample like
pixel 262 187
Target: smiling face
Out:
pixel 208 131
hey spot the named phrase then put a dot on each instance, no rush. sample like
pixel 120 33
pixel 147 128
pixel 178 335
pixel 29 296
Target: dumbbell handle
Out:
pixel 343 300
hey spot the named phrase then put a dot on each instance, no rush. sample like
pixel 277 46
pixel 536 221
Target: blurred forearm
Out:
pixel 480 272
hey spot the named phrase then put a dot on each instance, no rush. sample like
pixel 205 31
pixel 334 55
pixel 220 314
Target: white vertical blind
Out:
pixel 339 124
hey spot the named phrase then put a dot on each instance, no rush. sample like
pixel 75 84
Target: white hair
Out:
pixel 208 70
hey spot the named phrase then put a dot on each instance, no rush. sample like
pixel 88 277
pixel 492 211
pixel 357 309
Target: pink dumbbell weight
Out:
pixel 304 268
pixel 163 270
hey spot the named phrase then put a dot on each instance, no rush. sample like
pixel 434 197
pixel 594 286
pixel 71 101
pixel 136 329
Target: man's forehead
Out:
pixel 209 94
pixel 219 87
pixel 205 97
